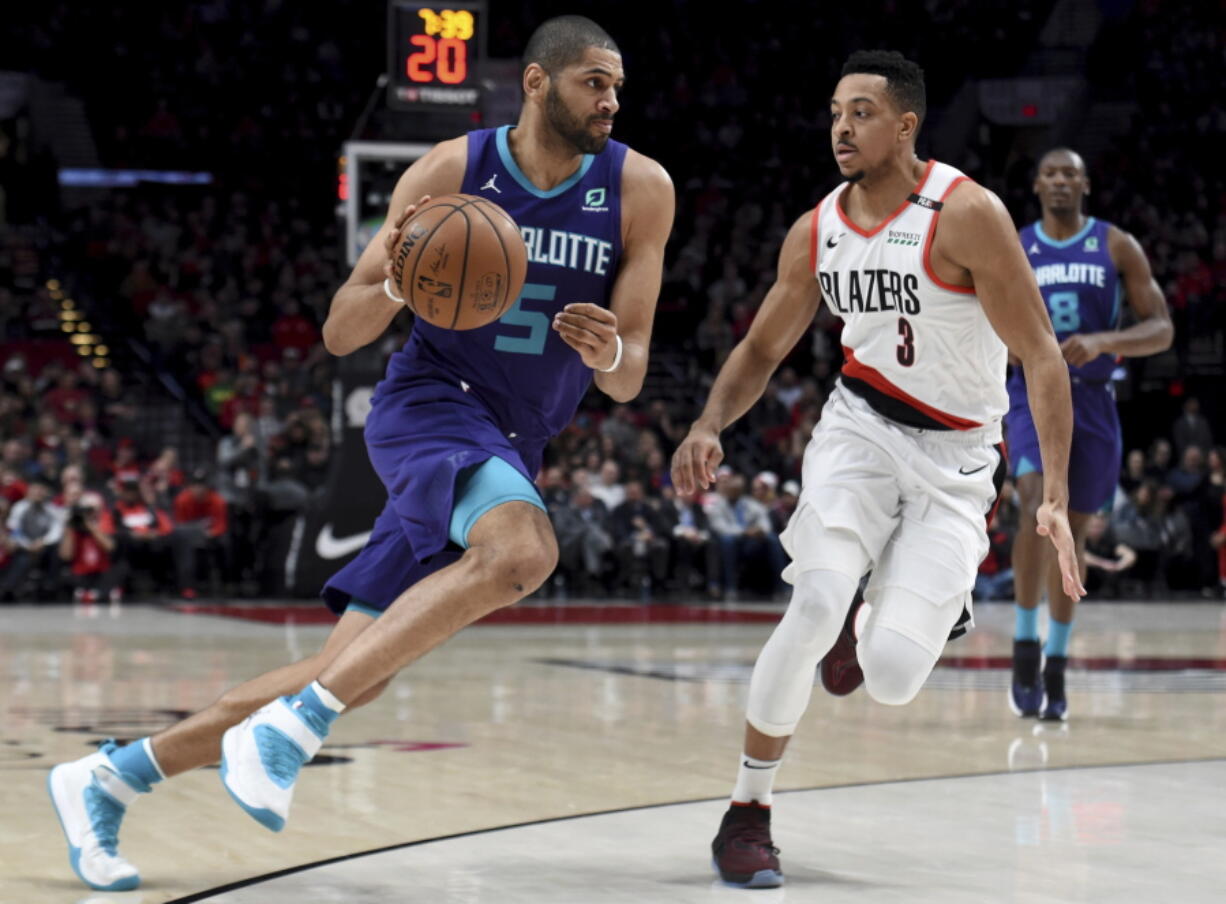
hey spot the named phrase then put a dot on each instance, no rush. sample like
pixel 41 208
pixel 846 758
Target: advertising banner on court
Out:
pixel 337 522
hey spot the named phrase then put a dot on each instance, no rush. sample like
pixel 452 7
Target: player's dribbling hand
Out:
pixel 696 459
pixel 1053 523
pixel 591 331
pixel 392 240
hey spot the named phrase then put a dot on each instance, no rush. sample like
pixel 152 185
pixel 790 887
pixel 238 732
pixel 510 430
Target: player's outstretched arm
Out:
pixel 1153 331
pixel 976 234
pixel 361 310
pixel 786 312
pixel 647 215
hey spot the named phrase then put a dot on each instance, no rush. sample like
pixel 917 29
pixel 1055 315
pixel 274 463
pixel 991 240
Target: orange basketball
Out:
pixel 461 262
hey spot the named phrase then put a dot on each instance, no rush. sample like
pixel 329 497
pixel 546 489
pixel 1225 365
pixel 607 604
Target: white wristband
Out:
pixel 617 359
pixel 387 290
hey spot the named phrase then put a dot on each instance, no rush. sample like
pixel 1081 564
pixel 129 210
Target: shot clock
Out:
pixel 434 51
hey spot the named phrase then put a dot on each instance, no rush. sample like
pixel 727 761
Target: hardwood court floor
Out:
pixel 949 799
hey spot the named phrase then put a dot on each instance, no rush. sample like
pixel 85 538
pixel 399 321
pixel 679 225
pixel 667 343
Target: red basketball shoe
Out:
pixel 840 669
pixel 742 851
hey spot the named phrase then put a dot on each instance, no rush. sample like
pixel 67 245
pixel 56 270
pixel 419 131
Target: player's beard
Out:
pixel 856 177
pixel 571 128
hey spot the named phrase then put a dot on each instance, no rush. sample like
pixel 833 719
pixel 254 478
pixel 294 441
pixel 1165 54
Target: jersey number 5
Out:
pixel 906 348
pixel 537 322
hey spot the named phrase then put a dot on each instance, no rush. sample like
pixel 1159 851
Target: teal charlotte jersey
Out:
pixel 461 420
pixel 1082 290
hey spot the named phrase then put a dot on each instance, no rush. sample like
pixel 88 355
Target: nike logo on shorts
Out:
pixel 330 547
pixel 975 471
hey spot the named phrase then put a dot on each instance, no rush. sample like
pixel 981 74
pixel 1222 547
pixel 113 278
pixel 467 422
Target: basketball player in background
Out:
pixel 1082 264
pixel 904 466
pixel 456 432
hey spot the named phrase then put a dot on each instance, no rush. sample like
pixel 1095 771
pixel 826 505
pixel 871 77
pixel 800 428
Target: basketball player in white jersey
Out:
pixel 902 470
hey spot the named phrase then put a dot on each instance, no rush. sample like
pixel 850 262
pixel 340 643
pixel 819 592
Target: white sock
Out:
pixel 327 698
pixel 754 780
pixel 148 742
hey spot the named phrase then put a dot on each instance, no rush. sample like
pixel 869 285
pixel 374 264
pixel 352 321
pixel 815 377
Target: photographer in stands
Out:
pixel 87 545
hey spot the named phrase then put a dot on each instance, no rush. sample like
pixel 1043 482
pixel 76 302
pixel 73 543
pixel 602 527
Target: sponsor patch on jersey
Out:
pixel 594 201
pixel 1091 244
pixel 927 203
pixel 908 239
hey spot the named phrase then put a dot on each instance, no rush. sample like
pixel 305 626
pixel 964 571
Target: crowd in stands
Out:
pixel 86 514
pixel 223 288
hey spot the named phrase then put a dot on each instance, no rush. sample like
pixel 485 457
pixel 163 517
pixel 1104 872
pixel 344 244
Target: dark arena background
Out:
pixel 184 186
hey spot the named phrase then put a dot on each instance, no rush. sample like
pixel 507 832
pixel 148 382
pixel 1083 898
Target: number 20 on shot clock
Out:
pixel 433 55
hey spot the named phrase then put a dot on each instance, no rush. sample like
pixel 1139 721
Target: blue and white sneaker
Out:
pixel 1026 690
pixel 90 797
pixel 261 756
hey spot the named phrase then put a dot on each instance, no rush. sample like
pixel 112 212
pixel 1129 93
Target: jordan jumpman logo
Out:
pixel 491 184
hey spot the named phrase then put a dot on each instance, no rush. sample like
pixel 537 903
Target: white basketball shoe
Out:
pixel 261 756
pixel 90 798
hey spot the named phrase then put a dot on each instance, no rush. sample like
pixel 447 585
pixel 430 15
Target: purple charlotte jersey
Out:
pixel 452 399
pixel 518 365
pixel 1082 290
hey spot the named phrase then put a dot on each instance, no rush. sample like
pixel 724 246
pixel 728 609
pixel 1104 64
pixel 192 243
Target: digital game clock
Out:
pixel 433 54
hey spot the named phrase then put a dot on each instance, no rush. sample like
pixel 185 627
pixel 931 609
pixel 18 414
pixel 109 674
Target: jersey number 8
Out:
pixel 1065 311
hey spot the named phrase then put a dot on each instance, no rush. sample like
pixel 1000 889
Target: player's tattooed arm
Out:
pixel 361 310
pixel 786 313
pixel 976 234
pixel 593 331
pixel 1153 331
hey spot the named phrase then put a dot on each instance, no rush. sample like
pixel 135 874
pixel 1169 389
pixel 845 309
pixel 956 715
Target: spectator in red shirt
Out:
pixel 246 400
pixel 125 465
pixel 165 477
pixel 87 544
pixel 142 533
pixel 200 517
pixel 292 330
pixel 12 487
pixel 65 400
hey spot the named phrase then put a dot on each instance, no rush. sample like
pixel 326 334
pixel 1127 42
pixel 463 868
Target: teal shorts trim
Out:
pixel 364 608
pixel 483 487
pixel 1025 466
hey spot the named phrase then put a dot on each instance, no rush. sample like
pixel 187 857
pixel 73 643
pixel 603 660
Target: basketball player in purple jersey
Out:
pixel 1082 265
pixel 456 432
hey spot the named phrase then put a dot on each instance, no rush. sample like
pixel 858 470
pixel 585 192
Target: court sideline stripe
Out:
pixel 277 874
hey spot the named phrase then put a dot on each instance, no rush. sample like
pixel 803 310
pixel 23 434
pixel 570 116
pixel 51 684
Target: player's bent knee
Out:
pixel 895 666
pixel 515 567
pixel 820 600
pixel 527 570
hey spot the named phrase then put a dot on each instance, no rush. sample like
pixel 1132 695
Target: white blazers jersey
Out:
pixel 919 350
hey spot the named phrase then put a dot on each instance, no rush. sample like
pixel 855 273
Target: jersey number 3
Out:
pixel 906 348
pixel 537 322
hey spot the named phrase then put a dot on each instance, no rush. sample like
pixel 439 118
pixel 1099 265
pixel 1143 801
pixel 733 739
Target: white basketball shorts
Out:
pixel 917 500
